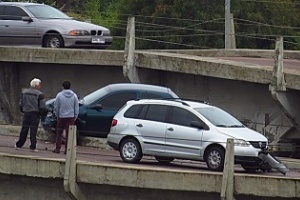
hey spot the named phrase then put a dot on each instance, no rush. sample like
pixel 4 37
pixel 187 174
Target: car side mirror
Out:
pixel 199 125
pixel 27 19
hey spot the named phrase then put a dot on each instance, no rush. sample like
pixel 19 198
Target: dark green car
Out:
pixel 98 108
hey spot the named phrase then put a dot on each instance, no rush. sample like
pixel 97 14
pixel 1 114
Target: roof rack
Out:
pixel 181 100
pixel 195 100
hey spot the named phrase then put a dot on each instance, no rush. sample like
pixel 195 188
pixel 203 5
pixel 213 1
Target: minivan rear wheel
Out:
pixel 215 158
pixel 130 151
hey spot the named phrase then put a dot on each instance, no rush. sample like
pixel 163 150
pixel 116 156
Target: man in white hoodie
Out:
pixel 66 109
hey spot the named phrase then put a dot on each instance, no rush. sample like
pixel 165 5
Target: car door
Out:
pixel 183 140
pixel 151 126
pixel 98 116
pixel 17 31
pixel 3 30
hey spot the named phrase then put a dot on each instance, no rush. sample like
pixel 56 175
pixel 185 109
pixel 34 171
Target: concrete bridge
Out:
pixel 235 80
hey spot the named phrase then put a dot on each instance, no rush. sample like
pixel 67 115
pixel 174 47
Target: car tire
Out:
pixel 130 151
pixel 53 40
pixel 163 160
pixel 215 157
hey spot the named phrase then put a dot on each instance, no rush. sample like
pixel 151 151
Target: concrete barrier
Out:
pixel 12 130
pixel 141 179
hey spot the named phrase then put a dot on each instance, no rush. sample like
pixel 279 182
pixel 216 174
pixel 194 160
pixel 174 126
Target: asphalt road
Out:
pixel 109 156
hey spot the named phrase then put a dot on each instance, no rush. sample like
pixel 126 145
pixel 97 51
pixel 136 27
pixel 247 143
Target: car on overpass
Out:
pixel 184 129
pixel 23 23
pixel 97 109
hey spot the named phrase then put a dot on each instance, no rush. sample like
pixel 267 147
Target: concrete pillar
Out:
pixel 227 189
pixel 227 25
pixel 232 32
pixel 129 70
pixel 288 99
pixel 9 93
pixel 70 184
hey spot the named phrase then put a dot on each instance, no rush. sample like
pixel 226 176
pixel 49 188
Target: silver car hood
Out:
pixel 243 133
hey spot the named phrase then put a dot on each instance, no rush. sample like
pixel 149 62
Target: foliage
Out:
pixel 191 24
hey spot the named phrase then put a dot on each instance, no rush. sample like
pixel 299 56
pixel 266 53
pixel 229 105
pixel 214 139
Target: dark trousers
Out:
pixel 63 124
pixel 30 122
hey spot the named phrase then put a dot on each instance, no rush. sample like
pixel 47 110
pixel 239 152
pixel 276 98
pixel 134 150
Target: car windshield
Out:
pixel 46 12
pixel 92 97
pixel 219 117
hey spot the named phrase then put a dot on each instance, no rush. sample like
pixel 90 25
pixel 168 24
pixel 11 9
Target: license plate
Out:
pixel 98 40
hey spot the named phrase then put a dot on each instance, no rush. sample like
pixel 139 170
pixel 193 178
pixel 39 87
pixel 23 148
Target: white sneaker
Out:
pixel 34 150
pixel 17 148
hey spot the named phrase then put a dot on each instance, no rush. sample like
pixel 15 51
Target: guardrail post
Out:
pixel 227 189
pixel 70 184
pixel 129 69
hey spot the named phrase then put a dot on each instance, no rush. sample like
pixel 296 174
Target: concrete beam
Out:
pixel 205 66
pixel 188 62
pixel 62 56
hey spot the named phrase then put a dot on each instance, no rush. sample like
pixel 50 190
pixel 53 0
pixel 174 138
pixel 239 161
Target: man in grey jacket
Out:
pixel 66 108
pixel 32 103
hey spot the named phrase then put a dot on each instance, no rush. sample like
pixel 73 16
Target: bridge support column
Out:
pixel 70 184
pixel 129 70
pixel 288 99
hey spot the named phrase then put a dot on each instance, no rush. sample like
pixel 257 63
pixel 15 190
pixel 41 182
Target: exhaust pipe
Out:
pixel 273 162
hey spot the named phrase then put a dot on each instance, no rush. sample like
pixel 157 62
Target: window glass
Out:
pixel 143 112
pixel 219 117
pixel 46 12
pixel 14 13
pixel 117 100
pixel 94 96
pixel 157 113
pixel 152 95
pixel 1 12
pixel 132 112
pixel 183 117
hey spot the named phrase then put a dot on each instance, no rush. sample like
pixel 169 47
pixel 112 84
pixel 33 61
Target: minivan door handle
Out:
pixel 139 125
pixel 170 129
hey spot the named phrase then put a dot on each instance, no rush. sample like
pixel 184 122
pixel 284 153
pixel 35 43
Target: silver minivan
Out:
pixel 39 24
pixel 179 129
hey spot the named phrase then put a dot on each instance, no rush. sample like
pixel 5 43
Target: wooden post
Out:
pixel 227 189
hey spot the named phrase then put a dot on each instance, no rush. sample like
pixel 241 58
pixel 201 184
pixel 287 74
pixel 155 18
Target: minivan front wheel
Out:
pixel 215 157
pixel 130 151
pixel 53 40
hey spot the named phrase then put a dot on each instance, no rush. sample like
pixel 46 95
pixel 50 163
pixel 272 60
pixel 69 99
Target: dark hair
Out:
pixel 66 85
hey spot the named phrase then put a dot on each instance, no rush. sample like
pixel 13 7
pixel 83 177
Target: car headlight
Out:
pixel 78 32
pixel 106 33
pixel 241 143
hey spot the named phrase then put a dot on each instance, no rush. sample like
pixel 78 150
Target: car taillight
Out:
pixel 114 122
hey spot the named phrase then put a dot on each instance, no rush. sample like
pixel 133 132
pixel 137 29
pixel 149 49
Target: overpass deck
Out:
pixel 104 167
